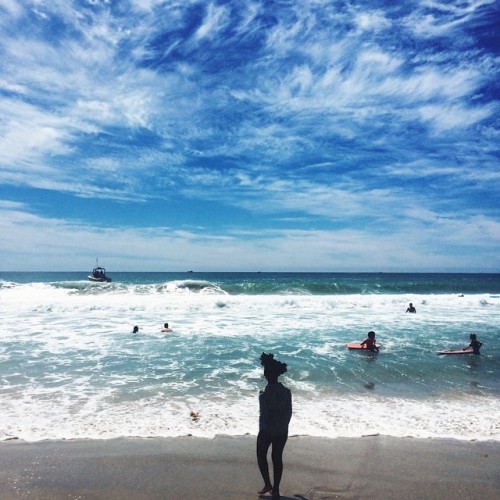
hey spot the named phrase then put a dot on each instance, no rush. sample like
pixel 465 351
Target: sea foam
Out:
pixel 71 367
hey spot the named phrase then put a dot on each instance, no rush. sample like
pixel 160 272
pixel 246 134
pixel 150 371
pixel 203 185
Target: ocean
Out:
pixel 70 366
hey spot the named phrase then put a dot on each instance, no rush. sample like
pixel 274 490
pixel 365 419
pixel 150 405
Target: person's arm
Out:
pixel 289 406
pixel 263 412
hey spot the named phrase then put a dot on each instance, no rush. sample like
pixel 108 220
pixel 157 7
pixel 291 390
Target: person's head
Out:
pixel 136 329
pixel 165 325
pixel 272 367
pixel 411 305
pixel 371 335
pixel 473 336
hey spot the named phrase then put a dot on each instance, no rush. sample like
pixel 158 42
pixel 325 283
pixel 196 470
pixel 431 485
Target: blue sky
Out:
pixel 250 135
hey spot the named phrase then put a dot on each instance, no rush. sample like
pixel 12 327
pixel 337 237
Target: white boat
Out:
pixel 99 274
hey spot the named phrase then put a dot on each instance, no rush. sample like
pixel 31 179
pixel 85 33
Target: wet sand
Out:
pixel 225 468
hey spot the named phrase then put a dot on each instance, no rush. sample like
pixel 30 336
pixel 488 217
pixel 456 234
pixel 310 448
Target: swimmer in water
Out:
pixel 475 345
pixel 369 342
pixel 411 309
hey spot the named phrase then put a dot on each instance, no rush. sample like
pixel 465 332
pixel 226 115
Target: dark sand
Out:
pixel 225 468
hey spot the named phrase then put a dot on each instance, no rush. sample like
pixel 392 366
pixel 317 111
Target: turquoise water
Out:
pixel 298 283
pixel 70 366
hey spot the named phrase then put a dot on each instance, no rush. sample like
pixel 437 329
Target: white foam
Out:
pixel 71 367
pixel 50 417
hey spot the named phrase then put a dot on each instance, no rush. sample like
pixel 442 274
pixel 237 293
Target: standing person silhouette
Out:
pixel 275 404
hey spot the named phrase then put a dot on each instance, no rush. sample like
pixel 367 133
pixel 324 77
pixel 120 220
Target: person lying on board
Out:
pixel 475 345
pixel 369 342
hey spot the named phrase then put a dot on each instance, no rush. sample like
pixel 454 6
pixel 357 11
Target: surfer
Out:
pixel 411 309
pixel 475 345
pixel 166 328
pixel 369 342
pixel 275 404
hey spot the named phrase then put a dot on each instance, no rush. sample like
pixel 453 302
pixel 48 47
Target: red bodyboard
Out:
pixel 458 351
pixel 357 345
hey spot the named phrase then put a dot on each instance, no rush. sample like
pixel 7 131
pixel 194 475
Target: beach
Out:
pixel 91 410
pixel 376 467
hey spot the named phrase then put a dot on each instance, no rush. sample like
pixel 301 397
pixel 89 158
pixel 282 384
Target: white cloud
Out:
pixel 376 84
pixel 444 117
pixel 424 23
pixel 247 24
pixel 28 134
pixel 215 20
pixel 458 8
pixel 371 21
pixel 423 168
pixel 12 7
pixel 31 238
pixel 431 83
pixel 12 87
pixel 14 205
pixel 149 5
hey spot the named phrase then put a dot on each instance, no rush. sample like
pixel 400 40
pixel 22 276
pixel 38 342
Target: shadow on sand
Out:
pixel 314 494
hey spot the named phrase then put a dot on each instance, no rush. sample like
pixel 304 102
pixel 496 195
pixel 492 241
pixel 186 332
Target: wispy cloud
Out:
pixel 340 115
pixel 435 18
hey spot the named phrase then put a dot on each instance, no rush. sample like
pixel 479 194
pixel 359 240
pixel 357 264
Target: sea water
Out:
pixel 70 366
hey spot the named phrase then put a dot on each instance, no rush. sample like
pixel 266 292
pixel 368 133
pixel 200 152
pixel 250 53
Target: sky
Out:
pixel 240 135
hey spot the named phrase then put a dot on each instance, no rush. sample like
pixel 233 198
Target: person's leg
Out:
pixel 277 457
pixel 263 443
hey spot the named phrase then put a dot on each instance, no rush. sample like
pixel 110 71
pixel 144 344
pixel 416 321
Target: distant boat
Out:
pixel 99 274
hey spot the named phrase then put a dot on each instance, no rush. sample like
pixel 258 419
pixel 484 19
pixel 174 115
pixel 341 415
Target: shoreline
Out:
pixel 224 467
